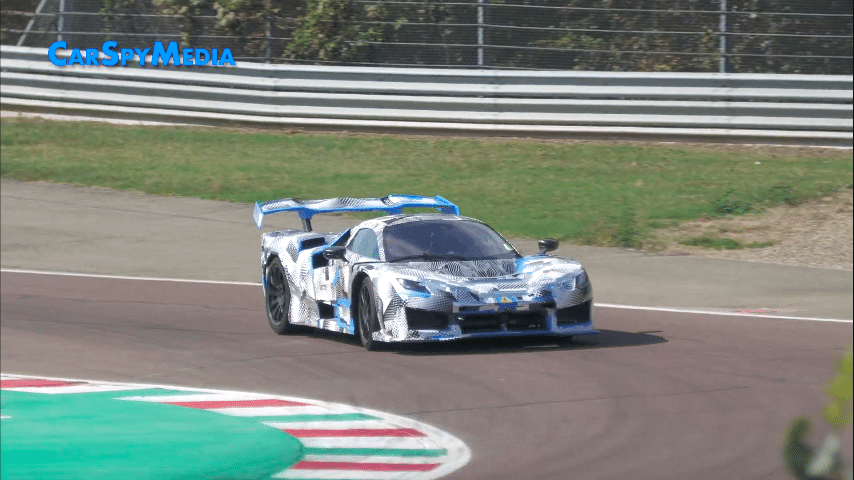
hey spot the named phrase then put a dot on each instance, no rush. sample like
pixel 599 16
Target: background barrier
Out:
pixel 808 109
pixel 726 36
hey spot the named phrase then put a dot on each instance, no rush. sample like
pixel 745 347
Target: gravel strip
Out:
pixel 819 233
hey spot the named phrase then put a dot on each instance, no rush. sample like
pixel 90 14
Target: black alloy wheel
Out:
pixel 367 315
pixel 278 298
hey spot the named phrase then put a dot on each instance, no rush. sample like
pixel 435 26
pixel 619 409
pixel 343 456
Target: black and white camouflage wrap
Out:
pixel 540 283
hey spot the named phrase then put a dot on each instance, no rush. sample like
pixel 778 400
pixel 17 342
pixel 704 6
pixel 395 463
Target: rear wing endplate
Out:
pixel 392 204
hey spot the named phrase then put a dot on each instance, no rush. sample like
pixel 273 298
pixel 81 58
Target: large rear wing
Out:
pixel 392 204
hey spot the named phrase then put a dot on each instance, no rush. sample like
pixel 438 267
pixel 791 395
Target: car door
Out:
pixel 325 272
pixel 331 280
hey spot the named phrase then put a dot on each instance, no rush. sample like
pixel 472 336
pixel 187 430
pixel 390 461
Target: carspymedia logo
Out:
pixel 110 56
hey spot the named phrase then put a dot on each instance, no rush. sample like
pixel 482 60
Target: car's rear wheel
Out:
pixel 277 297
pixel 367 315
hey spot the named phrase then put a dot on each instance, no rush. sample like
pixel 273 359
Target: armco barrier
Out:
pixel 809 109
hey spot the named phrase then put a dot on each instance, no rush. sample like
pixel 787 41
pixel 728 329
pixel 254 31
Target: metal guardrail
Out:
pixel 763 108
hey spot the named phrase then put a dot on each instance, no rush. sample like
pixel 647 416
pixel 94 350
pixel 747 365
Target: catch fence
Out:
pixel 734 36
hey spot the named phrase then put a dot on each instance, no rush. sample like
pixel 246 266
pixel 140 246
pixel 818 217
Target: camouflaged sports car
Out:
pixel 415 277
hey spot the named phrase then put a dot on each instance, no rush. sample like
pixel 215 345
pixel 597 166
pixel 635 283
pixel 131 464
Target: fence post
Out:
pixel 722 27
pixel 479 33
pixel 267 30
pixel 31 23
pixel 60 23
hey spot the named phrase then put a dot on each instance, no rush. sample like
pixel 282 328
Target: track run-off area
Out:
pixel 658 394
pixel 57 427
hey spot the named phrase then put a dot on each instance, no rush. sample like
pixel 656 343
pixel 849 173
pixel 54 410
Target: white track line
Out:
pixel 598 305
pixel 65 389
pixel 273 411
pixel 344 475
pixel 409 459
pixel 198 397
pixel 329 425
pixel 714 312
pixel 371 442
pixel 123 277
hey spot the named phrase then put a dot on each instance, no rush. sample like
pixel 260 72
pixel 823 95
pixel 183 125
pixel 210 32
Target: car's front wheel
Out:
pixel 367 315
pixel 277 297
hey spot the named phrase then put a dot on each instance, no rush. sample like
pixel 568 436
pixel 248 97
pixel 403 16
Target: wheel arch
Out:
pixel 278 316
pixel 266 260
pixel 270 257
pixel 356 286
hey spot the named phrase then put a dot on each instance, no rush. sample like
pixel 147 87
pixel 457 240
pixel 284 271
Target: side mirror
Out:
pixel 547 245
pixel 335 253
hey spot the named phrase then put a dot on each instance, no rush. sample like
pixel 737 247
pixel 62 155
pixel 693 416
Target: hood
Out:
pixel 487 275
pixel 471 269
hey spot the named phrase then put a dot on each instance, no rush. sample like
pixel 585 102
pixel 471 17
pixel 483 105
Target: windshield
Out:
pixel 433 240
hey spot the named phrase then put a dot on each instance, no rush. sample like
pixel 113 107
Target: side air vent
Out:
pixel 325 310
pixel 574 315
pixel 312 242
pixel 319 261
pixel 511 322
pixel 425 320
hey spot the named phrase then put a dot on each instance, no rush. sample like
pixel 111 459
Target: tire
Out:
pixel 277 298
pixel 367 314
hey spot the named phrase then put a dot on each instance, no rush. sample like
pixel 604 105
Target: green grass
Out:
pixel 759 244
pixel 722 243
pixel 712 242
pixel 584 192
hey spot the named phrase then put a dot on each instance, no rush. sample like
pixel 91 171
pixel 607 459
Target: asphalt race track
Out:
pixel 656 395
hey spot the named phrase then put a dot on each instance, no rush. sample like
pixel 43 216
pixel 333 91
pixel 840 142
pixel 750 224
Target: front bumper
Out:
pixel 562 309
pixel 497 320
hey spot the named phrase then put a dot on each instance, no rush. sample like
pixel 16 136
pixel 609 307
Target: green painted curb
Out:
pixel 96 436
pixel 55 428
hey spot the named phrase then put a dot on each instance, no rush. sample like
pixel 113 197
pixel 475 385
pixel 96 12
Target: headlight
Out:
pixel 581 279
pixel 412 285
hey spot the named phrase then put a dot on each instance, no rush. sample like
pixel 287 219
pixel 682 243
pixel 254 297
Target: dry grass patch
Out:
pixel 818 233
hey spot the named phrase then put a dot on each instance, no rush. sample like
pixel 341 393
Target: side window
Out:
pixel 365 244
